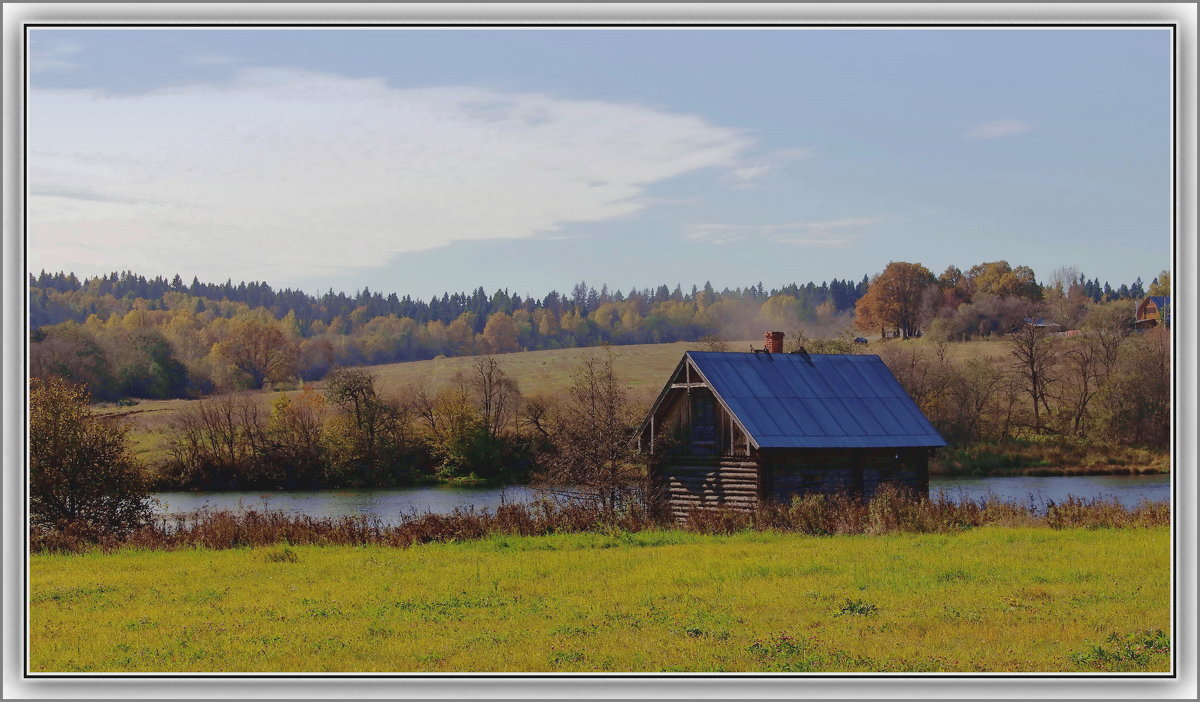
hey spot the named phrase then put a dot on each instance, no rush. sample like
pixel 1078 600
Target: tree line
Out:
pixel 60 297
pixel 988 299
pixel 195 340
pixel 180 345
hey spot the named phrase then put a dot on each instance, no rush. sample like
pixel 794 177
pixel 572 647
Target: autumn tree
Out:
pixel 500 334
pixel 371 430
pixel 1001 279
pixel 471 424
pixel 81 468
pixel 69 351
pixel 952 285
pixel 260 349
pixel 782 312
pixel 298 441
pixel 894 299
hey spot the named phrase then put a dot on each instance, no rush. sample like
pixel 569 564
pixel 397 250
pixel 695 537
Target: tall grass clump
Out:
pixel 890 510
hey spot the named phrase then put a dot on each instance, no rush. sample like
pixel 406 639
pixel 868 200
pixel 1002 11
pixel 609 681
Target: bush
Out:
pixel 83 480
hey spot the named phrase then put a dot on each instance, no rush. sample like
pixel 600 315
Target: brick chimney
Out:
pixel 774 342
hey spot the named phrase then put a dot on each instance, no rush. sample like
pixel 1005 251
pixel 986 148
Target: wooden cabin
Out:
pixel 1152 312
pixel 735 429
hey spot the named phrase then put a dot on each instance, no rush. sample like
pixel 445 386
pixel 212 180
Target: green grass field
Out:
pixel 991 599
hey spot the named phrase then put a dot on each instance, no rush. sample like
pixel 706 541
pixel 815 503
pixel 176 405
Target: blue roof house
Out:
pixel 736 429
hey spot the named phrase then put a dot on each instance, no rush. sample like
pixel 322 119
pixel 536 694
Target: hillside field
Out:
pixel 642 368
pixel 990 599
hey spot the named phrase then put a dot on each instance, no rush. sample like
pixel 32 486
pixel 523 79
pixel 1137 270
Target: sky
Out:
pixel 420 161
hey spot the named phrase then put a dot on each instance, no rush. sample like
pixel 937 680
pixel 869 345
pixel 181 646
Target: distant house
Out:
pixel 1152 312
pixel 743 428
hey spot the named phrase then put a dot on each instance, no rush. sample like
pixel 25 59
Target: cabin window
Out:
pixel 704 425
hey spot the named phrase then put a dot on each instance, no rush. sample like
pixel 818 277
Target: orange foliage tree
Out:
pixel 893 299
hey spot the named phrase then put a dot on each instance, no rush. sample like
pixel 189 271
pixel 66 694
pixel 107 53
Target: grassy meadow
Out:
pixel 988 599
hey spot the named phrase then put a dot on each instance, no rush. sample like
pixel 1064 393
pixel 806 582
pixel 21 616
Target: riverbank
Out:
pixel 987 600
pixel 888 511
pixel 1048 456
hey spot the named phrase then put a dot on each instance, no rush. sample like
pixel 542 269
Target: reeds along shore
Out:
pixel 889 511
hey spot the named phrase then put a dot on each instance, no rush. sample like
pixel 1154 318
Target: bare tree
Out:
pixel 219 442
pixel 298 438
pixel 593 453
pixel 1137 395
pixel 495 395
pixel 1109 324
pixel 1036 359
pixel 973 393
pixel 1083 365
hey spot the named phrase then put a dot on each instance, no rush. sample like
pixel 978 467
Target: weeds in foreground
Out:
pixel 857 607
pixel 1135 651
pixel 890 510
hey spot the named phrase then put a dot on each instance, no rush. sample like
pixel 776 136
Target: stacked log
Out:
pixel 721 483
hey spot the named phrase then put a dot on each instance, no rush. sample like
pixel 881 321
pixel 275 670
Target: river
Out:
pixel 393 503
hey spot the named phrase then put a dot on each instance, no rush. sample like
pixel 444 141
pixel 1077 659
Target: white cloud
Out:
pixel 830 233
pixel 281 174
pixel 996 129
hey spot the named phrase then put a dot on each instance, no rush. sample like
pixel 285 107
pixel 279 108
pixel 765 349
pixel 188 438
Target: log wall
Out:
pixel 700 483
pixel 736 482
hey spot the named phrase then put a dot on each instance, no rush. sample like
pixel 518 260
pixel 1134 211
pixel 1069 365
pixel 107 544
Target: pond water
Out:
pixel 1129 489
pixel 390 504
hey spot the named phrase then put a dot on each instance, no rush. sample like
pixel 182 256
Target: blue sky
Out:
pixel 420 161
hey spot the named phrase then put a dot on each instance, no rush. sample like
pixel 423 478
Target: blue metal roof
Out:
pixel 818 401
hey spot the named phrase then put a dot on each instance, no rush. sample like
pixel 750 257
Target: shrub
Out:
pixel 83 479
